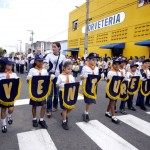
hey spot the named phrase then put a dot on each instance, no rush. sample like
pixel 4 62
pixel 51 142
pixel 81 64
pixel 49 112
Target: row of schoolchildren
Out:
pixel 66 77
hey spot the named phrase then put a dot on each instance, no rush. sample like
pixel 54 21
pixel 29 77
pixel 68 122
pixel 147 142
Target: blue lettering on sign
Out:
pixel 109 21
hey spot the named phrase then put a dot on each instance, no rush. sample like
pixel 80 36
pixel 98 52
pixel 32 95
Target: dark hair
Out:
pixel 66 64
pixel 2 67
pixel 57 44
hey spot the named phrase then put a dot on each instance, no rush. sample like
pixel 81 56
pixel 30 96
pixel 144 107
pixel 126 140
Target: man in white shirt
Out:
pixel 55 62
pixel 29 58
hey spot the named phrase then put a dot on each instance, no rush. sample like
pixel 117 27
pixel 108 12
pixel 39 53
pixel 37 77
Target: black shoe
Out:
pixel 4 129
pixel 148 105
pixel 108 115
pixel 10 121
pixel 86 117
pixel 35 123
pixel 65 126
pixel 66 117
pixel 123 112
pixel 115 120
pixel 132 108
pixel 143 108
pixel 43 124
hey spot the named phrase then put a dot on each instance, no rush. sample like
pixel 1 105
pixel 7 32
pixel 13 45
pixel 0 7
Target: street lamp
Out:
pixel 31 39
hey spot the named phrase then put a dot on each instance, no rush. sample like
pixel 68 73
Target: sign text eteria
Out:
pixel 106 22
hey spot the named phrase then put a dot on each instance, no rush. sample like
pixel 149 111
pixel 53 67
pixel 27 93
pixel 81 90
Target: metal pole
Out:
pixel 32 40
pixel 86 28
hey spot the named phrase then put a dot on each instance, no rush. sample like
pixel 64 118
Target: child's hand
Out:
pixel 53 76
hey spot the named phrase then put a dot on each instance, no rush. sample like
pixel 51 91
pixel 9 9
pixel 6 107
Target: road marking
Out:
pixel 21 102
pixel 148 113
pixel 104 137
pixel 137 123
pixel 26 101
pixel 35 140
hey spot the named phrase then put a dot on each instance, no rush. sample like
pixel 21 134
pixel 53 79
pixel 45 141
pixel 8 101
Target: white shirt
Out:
pixel 140 65
pixel 87 70
pixel 51 60
pixel 123 72
pixel 106 64
pixel 22 62
pixel 35 72
pixel 129 75
pixel 30 56
pixel 81 63
pixel 12 75
pixel 62 80
pixel 113 73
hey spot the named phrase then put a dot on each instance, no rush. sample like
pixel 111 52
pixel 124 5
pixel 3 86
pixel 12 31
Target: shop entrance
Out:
pixel 74 54
pixel 117 52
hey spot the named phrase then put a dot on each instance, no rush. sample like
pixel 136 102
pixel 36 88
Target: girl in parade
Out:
pixel 145 73
pixel 133 72
pixel 89 68
pixel 7 74
pixel 63 78
pixel 38 70
pixel 111 106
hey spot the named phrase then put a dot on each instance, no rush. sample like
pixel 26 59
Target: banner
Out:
pixel 124 91
pixel 9 91
pixel 39 88
pixel 70 94
pixel 90 86
pixel 134 85
pixel 113 87
pixel 145 87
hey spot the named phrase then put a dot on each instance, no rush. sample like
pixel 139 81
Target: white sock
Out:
pixel 3 122
pixel 64 121
pixel 34 119
pixel 113 117
pixel 107 112
pixel 41 119
pixel 9 116
pixel 86 112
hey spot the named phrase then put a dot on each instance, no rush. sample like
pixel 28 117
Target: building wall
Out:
pixel 135 27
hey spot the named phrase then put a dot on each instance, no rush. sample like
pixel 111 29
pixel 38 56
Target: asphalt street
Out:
pixel 76 138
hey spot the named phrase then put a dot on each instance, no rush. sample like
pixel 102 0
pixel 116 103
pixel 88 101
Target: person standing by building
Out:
pixel 55 61
pixel 30 57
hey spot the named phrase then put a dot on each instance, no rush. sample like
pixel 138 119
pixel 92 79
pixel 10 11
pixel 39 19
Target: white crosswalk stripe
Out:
pixel 137 123
pixel 100 134
pixel 148 113
pixel 35 140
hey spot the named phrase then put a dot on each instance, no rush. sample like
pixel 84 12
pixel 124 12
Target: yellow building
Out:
pixel 115 27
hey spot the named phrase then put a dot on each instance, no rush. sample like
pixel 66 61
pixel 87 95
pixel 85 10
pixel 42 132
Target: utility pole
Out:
pixel 31 38
pixel 86 28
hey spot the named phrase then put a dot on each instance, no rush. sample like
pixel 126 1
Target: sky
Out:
pixel 47 19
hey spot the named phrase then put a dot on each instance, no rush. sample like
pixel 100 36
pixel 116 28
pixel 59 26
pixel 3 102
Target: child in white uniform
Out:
pixel 63 78
pixel 7 75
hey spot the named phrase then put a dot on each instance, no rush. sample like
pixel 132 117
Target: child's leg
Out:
pixel 69 110
pixel 34 111
pixel 109 106
pixel 42 112
pixel 9 116
pixel 64 115
pixel 88 106
pixel 3 118
pixel 112 107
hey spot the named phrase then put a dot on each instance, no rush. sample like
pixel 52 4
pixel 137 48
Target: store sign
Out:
pixel 106 22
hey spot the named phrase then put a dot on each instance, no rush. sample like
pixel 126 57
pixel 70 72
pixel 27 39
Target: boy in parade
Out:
pixel 92 69
pixel 111 106
pixel 7 74
pixel 63 78
pixel 145 73
pixel 38 70
pixel 123 74
pixel 133 72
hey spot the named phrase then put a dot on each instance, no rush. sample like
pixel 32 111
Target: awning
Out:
pixel 115 45
pixel 143 43
pixel 71 49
